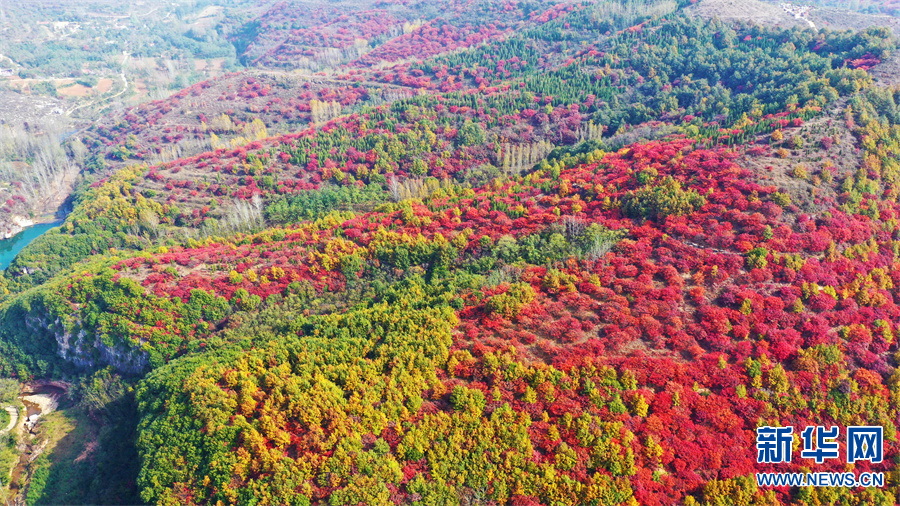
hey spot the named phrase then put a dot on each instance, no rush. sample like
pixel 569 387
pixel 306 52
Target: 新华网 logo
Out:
pixel 773 444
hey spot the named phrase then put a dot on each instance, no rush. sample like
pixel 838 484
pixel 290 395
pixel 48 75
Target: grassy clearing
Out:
pixel 8 459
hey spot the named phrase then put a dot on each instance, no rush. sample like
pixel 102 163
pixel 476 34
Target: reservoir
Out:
pixel 11 247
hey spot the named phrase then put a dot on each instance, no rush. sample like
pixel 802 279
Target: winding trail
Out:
pixel 14 419
pixel 10 60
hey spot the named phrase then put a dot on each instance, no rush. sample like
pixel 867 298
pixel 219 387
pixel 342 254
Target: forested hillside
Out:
pixel 493 253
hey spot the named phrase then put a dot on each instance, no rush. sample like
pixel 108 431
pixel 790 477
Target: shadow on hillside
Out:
pixel 94 463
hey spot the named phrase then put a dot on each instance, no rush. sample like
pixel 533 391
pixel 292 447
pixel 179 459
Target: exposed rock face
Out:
pixel 15 225
pixel 44 383
pixel 89 353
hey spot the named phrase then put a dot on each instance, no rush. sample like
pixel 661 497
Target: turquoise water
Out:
pixel 11 247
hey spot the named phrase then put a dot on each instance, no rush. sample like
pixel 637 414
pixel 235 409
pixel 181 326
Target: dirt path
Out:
pixel 14 419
